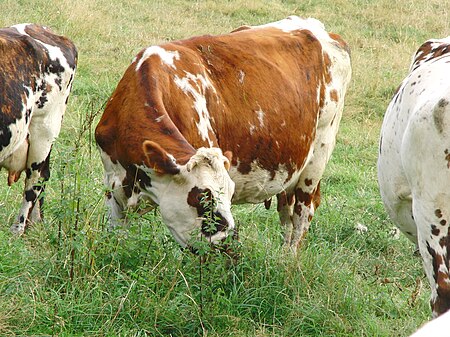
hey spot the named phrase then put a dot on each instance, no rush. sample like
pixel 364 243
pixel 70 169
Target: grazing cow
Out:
pixel 36 73
pixel 266 100
pixel 414 163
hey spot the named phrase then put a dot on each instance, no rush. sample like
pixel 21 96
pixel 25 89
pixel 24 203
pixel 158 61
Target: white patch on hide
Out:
pixel 258 185
pixel 167 57
pixel 293 22
pixel 241 76
pixel 260 115
pixel 196 86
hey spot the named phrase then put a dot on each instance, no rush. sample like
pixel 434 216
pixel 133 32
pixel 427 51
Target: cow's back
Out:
pixel 264 95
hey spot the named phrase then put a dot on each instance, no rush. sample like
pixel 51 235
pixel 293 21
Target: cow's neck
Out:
pixel 158 187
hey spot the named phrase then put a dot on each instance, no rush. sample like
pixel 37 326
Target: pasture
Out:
pixel 69 276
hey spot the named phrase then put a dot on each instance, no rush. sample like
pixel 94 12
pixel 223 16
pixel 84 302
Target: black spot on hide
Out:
pixel 205 203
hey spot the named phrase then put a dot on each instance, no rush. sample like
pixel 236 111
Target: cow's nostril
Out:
pixel 216 223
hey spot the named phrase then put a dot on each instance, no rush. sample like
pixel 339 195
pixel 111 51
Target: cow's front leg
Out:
pixel 116 202
pixel 121 193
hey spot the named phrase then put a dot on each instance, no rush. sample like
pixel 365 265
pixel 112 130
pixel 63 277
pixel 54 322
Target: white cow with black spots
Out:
pixel 414 163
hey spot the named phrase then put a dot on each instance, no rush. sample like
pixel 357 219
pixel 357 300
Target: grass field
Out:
pixel 70 277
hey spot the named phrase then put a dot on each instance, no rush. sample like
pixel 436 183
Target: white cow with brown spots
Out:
pixel 414 163
pixel 265 101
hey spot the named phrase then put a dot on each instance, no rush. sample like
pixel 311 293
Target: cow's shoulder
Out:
pixel 136 111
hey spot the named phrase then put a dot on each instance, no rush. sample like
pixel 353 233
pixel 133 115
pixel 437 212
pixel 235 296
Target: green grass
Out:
pixel 69 276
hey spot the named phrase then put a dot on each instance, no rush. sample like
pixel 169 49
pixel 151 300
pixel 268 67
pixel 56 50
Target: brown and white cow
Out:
pixel 414 163
pixel 266 99
pixel 36 73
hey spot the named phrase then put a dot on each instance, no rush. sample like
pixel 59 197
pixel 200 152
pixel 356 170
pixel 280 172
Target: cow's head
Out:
pixel 195 197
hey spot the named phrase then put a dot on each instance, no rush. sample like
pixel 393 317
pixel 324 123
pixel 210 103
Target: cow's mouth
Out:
pixel 228 246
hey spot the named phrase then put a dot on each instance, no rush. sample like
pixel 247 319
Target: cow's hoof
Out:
pixel 17 229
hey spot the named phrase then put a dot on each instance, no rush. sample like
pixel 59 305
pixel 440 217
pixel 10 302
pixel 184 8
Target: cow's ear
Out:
pixel 229 156
pixel 158 159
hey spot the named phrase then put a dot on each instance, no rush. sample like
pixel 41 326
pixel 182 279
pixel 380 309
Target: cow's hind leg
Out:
pixel 37 173
pixel 285 208
pixel 45 126
pixel 424 154
pixel 306 201
pixel 432 218
pixel 37 213
pixel 41 137
pixel 296 211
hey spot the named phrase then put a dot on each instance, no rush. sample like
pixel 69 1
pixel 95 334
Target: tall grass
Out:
pixel 69 276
